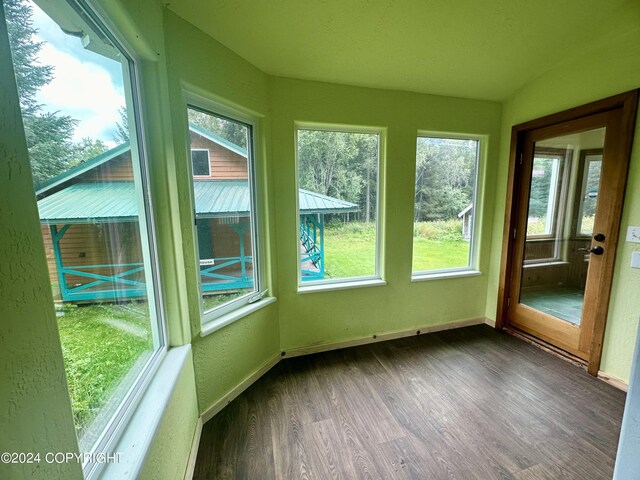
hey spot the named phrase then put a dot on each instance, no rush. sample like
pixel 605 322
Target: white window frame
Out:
pixel 117 425
pixel 377 279
pixel 472 267
pixel 222 315
pixel 208 161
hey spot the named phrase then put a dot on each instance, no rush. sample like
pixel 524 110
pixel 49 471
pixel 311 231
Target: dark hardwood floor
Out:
pixel 469 403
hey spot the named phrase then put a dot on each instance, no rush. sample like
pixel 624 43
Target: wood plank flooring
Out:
pixel 466 404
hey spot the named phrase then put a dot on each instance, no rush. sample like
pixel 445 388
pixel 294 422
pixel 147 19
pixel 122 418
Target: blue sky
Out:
pixel 86 86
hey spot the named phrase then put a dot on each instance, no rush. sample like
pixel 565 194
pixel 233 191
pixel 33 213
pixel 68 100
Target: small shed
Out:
pixel 467 221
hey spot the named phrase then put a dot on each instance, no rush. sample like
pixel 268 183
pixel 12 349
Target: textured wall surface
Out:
pixel 35 410
pixel 612 68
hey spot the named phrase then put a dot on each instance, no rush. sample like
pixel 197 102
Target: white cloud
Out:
pixel 83 90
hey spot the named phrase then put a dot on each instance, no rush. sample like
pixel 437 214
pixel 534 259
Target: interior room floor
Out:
pixel 470 403
pixel 564 303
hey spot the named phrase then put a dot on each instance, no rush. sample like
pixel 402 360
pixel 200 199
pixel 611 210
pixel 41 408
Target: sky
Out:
pixel 86 86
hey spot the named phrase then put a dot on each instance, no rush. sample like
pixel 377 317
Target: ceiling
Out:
pixel 466 48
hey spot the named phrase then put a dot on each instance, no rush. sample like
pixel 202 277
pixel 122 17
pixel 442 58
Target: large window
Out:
pixel 445 199
pixel 338 205
pixel 76 87
pixel 224 205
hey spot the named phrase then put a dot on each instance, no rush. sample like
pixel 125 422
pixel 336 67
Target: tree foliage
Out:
pixel 341 165
pixel 48 135
pixel 231 131
pixel 445 175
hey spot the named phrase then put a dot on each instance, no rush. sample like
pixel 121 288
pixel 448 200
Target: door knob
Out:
pixel 599 237
pixel 598 250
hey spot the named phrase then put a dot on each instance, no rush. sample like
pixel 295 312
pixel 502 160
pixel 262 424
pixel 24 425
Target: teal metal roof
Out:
pixel 83 167
pixel 116 202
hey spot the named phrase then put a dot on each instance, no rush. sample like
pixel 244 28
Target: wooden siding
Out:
pixel 224 164
pixel 93 244
pixel 118 169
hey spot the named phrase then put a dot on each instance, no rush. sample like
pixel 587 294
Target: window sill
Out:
pixel 224 320
pixel 328 287
pixel 548 263
pixel 425 277
pixel 137 438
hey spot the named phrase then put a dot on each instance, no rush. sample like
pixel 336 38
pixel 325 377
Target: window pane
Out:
pixel 224 208
pixel 338 200
pixel 444 203
pixel 543 202
pixel 591 185
pixel 91 205
pixel 200 163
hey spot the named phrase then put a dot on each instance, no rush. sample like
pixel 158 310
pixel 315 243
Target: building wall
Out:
pixel 224 164
pixel 613 67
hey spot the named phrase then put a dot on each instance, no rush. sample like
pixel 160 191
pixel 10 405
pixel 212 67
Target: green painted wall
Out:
pixel 334 316
pixel 613 67
pixel 35 410
pixel 168 456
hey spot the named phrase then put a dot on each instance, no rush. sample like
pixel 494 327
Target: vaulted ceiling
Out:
pixel 484 49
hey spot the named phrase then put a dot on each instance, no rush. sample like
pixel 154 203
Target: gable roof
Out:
pixel 123 148
pixel 103 202
pixel 83 167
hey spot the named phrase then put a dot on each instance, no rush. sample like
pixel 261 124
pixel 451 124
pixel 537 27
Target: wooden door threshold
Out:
pixel 547 347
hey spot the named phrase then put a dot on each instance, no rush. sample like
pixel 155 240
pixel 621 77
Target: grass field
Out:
pixel 350 248
pixel 100 343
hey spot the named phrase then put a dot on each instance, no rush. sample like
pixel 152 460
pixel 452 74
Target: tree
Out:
pixel 445 173
pixel 231 131
pixel 122 126
pixel 48 135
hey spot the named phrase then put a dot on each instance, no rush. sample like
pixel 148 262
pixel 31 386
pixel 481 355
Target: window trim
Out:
pixel 90 11
pixel 349 282
pixel 564 172
pixel 472 267
pixel 208 162
pixel 209 319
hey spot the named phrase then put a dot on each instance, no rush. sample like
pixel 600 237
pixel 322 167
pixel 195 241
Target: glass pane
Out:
pixel 91 204
pixel 444 195
pixel 223 203
pixel 590 187
pixel 338 199
pixel 555 256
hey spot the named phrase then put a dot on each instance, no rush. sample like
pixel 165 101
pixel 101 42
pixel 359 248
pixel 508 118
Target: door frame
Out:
pixel 628 104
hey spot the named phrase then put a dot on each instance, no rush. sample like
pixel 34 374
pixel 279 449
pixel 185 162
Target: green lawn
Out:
pixel 100 344
pixel 350 249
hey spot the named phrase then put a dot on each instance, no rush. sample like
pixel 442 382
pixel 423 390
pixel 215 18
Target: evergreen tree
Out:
pixel 48 135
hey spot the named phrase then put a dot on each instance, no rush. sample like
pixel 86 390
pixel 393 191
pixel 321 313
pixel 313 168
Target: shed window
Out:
pixel 200 163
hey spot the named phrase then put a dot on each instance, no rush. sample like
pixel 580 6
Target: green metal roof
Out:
pixel 116 202
pixel 83 167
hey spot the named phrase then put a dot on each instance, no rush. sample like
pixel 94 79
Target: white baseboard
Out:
pixel 613 380
pixel 490 322
pixel 228 397
pixel 191 464
pixel 297 352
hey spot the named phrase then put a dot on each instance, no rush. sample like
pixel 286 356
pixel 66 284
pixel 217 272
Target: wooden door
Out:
pixel 568 177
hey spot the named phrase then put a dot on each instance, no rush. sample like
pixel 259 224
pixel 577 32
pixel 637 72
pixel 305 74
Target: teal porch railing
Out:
pixel 225 281
pixel 312 245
